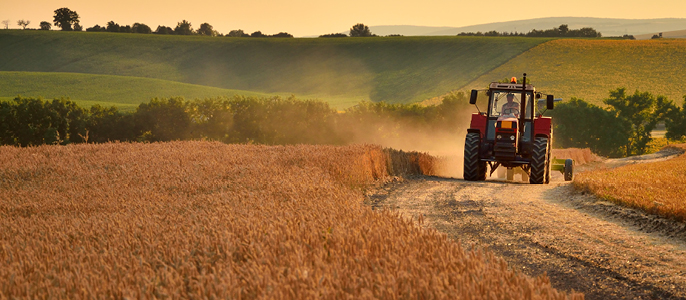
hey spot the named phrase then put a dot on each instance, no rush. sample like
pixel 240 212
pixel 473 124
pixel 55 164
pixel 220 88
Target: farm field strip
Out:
pixel 209 220
pixel 588 69
pixel 123 91
pixel 663 194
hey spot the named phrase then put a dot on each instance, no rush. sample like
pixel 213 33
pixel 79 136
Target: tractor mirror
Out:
pixel 550 102
pixel 472 98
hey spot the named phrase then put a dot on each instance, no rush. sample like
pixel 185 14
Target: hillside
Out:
pixel 589 69
pixel 676 34
pixel 608 27
pixel 397 70
pixel 86 89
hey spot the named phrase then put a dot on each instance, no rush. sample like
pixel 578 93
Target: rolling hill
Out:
pixel 86 89
pixel 126 69
pixel 341 71
pixel 676 34
pixel 589 69
pixel 608 27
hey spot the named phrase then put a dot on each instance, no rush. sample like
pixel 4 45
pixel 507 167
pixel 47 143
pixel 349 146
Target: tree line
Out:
pixel 622 128
pixel 272 121
pixel 561 31
pixel 68 20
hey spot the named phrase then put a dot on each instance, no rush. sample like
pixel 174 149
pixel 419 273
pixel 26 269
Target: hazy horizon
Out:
pixel 311 18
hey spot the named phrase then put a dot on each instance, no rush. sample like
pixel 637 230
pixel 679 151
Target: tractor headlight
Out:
pixel 512 137
pixel 499 137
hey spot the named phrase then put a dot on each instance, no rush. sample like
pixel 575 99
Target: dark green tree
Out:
pixel 8 121
pixel 125 29
pixel 163 120
pixel 183 28
pixel 45 25
pixel 164 30
pixel 141 28
pixel 578 124
pixel 642 111
pixel 333 35
pixel 206 29
pixel 112 26
pixel 360 30
pixel 676 123
pixel 65 18
pixel 283 35
pixel 107 124
pixel 78 27
pixel 96 28
pixel 237 33
pixel 68 119
pixel 211 119
pixel 257 34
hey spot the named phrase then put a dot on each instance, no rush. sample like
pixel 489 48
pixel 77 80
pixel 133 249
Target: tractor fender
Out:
pixel 543 127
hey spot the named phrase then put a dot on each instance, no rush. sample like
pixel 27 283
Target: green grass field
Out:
pixel 340 71
pixel 589 69
pixel 87 89
pixel 347 70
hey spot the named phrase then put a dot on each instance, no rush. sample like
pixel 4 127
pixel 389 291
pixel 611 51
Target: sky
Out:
pixel 316 17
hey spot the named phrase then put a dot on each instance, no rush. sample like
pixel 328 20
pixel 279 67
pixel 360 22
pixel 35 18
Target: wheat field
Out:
pixel 663 194
pixel 205 220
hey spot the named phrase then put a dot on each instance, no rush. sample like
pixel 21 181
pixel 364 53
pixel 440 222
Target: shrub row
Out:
pixel 272 121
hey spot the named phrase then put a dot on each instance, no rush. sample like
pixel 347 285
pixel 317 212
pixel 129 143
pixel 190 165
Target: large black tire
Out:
pixel 549 166
pixel 474 168
pixel 569 170
pixel 540 161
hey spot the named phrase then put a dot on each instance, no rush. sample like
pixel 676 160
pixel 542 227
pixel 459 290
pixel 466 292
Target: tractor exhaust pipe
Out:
pixel 522 111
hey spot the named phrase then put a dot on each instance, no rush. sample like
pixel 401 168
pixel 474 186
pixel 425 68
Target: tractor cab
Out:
pixel 509 121
pixel 511 133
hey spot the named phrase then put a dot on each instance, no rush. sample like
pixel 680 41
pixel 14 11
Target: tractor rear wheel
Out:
pixel 540 161
pixel 549 166
pixel 474 168
pixel 569 170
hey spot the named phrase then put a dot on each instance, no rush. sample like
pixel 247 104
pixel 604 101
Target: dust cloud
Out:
pixel 441 141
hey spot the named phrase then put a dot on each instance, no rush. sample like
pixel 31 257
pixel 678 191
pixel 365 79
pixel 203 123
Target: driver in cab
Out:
pixel 511 107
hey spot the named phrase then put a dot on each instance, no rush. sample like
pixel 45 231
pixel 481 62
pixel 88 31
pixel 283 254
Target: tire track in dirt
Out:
pixel 550 229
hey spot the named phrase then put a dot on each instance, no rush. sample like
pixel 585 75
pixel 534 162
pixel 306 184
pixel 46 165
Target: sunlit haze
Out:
pixel 310 17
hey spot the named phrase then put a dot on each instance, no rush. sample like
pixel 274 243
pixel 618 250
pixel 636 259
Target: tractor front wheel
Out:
pixel 540 161
pixel 474 168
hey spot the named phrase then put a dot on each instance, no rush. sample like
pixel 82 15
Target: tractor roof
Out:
pixel 511 86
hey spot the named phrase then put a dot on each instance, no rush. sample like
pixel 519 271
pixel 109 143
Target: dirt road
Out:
pixel 582 243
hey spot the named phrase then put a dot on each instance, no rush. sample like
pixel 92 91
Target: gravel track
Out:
pixel 583 243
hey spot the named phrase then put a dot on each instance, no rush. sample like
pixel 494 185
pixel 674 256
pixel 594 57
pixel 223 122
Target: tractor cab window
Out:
pixel 506 104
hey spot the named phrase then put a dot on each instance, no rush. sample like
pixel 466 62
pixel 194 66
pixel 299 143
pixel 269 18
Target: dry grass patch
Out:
pixel 656 187
pixel 209 220
pixel 580 156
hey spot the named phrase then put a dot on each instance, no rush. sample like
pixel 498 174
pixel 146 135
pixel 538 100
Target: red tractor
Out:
pixel 512 133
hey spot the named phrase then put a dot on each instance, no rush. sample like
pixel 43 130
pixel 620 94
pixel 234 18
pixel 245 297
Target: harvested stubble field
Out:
pixel 208 220
pixel 655 187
